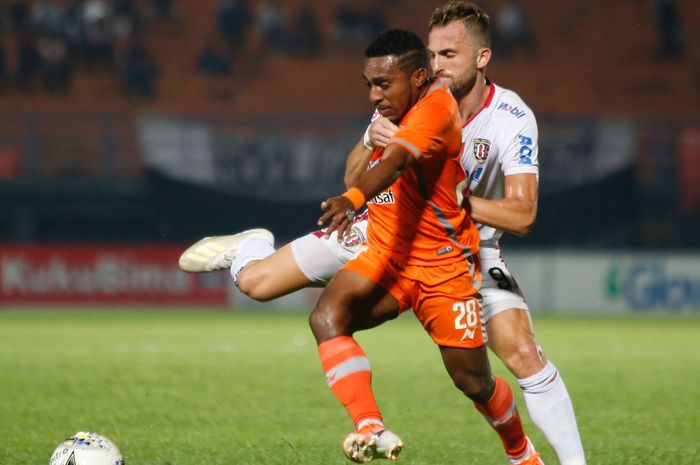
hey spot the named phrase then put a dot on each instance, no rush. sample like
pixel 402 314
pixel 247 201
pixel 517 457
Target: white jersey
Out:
pixel 499 141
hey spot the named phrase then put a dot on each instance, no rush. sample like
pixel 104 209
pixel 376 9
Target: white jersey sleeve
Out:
pixel 499 141
pixel 520 147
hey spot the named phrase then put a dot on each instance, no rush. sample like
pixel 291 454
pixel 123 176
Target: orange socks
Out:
pixel 349 376
pixel 503 416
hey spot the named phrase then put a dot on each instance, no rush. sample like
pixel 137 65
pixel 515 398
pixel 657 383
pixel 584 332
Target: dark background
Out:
pixel 615 87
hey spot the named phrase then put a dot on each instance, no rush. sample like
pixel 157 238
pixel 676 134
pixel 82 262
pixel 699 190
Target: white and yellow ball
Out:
pixel 85 448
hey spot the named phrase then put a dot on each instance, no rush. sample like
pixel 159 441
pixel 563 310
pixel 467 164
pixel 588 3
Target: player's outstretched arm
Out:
pixel 515 212
pixel 339 211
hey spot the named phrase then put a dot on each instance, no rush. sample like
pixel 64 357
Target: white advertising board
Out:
pixel 578 283
pixel 615 283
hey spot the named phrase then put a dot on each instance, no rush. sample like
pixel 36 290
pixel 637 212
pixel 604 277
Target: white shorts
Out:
pixel 320 258
pixel 499 289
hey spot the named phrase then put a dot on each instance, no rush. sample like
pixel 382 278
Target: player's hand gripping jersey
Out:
pixel 417 220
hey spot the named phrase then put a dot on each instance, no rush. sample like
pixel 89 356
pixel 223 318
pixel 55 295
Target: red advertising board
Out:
pixel 104 274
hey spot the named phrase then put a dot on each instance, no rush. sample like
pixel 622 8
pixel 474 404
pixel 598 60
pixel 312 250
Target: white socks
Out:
pixel 550 408
pixel 250 249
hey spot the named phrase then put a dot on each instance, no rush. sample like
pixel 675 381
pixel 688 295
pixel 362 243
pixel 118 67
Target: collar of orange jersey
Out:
pixel 434 83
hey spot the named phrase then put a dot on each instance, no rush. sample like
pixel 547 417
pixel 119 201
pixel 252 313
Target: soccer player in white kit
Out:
pixel 499 155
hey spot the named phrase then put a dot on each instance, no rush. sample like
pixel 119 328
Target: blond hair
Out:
pixel 476 20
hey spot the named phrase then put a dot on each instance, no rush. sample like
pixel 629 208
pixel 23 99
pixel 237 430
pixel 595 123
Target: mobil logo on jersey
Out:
pixel 481 149
pixel 515 111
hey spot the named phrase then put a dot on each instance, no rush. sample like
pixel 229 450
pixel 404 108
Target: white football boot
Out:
pixel 217 252
pixel 362 448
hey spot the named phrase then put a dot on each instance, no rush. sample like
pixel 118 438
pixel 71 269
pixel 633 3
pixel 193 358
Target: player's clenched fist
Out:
pixel 381 131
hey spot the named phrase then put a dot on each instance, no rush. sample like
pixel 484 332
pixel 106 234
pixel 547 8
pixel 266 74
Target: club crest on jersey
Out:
pixel 481 149
pixel 353 238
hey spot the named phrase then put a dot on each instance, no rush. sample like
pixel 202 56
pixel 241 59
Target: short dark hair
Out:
pixel 406 45
pixel 474 18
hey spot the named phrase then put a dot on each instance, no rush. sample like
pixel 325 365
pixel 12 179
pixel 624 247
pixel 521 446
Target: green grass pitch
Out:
pixel 235 388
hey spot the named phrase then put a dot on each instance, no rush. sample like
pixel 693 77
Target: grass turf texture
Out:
pixel 222 387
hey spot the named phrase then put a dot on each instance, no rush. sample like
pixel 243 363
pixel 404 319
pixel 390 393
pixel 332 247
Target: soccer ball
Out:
pixel 86 449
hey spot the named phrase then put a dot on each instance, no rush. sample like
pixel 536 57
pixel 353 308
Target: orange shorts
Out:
pixel 443 297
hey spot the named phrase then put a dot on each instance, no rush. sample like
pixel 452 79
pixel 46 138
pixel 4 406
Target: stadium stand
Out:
pixel 617 71
pixel 595 59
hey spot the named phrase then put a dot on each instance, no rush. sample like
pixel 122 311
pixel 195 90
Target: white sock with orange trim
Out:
pixel 551 410
pixel 250 249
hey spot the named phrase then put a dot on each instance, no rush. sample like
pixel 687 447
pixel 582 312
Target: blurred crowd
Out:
pixel 55 39
pixel 51 41
pixel 250 31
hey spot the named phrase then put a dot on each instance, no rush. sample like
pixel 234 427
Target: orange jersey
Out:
pixel 417 220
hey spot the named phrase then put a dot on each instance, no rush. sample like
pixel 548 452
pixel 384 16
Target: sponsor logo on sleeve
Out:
pixel 525 152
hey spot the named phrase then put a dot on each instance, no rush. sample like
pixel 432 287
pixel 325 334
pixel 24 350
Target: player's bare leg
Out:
pixel 511 338
pixel 272 277
pixel 471 373
pixel 310 260
pixel 352 303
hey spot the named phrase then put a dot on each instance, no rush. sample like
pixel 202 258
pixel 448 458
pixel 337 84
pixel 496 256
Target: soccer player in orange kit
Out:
pixel 420 253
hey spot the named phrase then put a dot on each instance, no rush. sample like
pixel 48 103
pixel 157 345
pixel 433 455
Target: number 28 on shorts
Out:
pixel 467 318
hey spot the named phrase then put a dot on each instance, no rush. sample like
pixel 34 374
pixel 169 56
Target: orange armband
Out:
pixel 355 196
